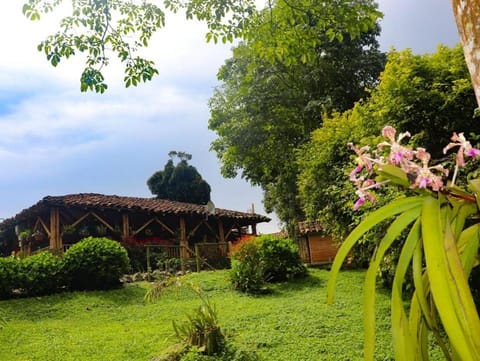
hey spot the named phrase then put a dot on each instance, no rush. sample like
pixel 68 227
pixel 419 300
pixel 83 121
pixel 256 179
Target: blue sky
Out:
pixel 56 140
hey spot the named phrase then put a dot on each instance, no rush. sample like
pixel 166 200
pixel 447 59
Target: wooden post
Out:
pixel 197 257
pixel 183 238
pixel 221 231
pixel 55 236
pixel 125 227
pixel 254 229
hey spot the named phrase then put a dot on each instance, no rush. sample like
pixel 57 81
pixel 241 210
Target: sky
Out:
pixel 55 140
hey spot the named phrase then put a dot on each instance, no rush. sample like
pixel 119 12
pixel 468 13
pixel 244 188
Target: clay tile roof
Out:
pixel 121 203
pixel 309 227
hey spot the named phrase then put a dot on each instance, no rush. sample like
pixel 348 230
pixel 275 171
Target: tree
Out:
pixel 264 111
pixel 429 95
pixel 467 13
pixel 180 182
pixel 102 29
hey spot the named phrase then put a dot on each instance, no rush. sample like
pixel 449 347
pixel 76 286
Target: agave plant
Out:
pixel 442 246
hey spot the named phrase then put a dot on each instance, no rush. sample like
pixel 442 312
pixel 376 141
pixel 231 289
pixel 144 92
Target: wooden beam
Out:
pixel 254 229
pixel 165 226
pixel 80 220
pixel 125 227
pixel 221 231
pixel 145 225
pixel 192 232
pixel 230 230
pixel 212 230
pixel 183 238
pixel 105 223
pixel 55 239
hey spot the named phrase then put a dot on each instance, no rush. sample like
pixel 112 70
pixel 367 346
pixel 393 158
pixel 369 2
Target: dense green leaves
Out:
pixel 265 110
pixel 102 29
pixel 180 182
pixel 428 95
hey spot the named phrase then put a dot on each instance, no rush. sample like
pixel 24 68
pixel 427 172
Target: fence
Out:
pixel 204 256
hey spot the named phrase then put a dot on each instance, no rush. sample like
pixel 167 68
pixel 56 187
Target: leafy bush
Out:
pixel 9 276
pixel 280 259
pixel 202 329
pixel 41 274
pixel 246 274
pixel 95 263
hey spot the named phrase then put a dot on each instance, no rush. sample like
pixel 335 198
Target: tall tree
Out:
pixel 266 109
pixel 429 95
pixel 102 29
pixel 180 182
pixel 467 13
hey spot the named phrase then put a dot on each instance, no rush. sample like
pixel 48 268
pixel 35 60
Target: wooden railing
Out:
pixel 204 253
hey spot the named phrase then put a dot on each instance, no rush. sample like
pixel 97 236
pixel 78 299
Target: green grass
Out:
pixel 291 323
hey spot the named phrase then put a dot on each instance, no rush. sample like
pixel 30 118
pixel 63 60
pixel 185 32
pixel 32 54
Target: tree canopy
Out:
pixel 428 95
pixel 179 182
pixel 105 29
pixel 265 109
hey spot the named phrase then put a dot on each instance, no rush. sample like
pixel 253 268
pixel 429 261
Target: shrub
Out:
pixel 202 329
pixel 9 276
pixel 95 263
pixel 246 274
pixel 41 274
pixel 280 259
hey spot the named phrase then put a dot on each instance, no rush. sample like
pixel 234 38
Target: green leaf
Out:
pixel 404 344
pixel 393 232
pixel 394 174
pixel 395 207
pixel 449 285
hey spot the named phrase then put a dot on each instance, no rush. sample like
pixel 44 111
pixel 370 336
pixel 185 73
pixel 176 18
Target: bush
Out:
pixel 95 263
pixel 280 259
pixel 9 276
pixel 41 274
pixel 246 274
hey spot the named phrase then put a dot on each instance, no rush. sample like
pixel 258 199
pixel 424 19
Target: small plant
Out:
pixel 246 274
pixel 95 263
pixel 68 229
pixel 25 234
pixel 201 329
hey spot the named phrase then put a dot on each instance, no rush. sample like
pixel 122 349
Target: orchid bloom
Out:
pixel 425 177
pixel 364 160
pixel 398 153
pixel 465 148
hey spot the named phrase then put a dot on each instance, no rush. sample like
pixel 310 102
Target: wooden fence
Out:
pixel 205 255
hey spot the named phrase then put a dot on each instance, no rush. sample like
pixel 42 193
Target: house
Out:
pixel 316 247
pixel 63 220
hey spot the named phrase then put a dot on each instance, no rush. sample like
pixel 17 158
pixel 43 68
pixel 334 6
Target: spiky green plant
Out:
pixel 442 246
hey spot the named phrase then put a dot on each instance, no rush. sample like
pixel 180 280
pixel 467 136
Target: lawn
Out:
pixel 291 323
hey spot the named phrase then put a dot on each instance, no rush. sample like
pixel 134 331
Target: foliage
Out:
pixel 442 246
pixel 9 276
pixel 430 94
pixel 291 323
pixel 95 263
pixel 104 29
pixel 180 182
pixel 280 259
pixel 264 259
pixel 41 274
pixel 202 329
pixel 284 102
pixel 246 274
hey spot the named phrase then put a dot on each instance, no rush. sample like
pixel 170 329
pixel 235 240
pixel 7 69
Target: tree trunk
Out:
pixel 467 17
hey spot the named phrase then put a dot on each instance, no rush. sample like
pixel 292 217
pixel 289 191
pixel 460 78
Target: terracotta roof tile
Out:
pixel 122 203
pixel 310 227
